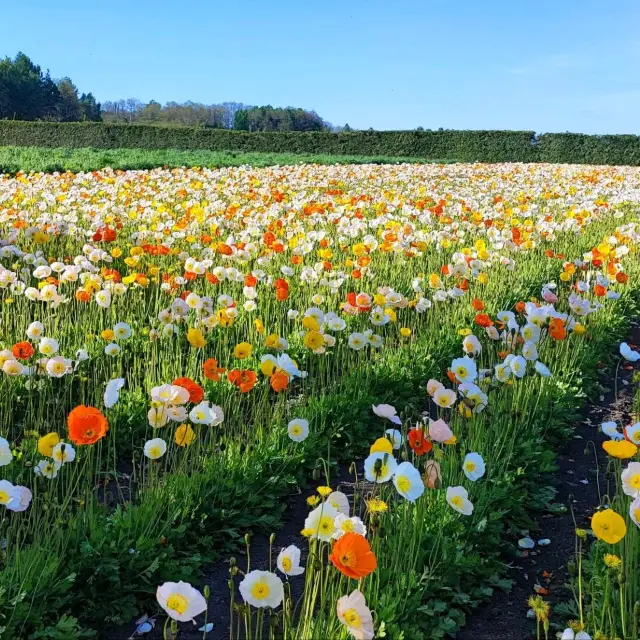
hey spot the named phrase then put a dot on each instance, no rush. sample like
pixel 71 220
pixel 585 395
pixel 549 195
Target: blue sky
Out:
pixel 561 65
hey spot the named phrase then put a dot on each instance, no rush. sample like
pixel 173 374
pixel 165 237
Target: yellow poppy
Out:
pixel 608 526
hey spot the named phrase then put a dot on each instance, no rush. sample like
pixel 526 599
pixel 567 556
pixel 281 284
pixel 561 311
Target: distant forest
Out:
pixel 29 93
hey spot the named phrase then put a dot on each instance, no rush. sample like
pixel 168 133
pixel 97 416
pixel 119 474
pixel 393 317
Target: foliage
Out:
pixel 26 159
pixel 274 119
pixel 461 146
pixel 26 93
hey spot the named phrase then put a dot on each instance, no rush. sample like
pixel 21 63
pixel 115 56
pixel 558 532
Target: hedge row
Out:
pixel 464 146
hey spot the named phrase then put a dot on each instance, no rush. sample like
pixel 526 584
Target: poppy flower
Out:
pixel 483 320
pixel 279 381
pixel 608 526
pixel 245 380
pixel 352 556
pixel 211 370
pixel 23 350
pixel 196 392
pixel 477 304
pixel 418 442
pixel 621 449
pixel 86 425
pixel 556 329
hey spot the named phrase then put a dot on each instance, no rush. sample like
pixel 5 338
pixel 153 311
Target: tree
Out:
pixel 89 108
pixel 347 128
pixel 68 108
pixel 27 93
pixel 150 112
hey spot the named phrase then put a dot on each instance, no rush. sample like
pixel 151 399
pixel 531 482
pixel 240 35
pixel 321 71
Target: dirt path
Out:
pixel 504 617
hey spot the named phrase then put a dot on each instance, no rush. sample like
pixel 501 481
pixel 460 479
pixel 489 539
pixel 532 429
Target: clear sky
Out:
pixel 544 65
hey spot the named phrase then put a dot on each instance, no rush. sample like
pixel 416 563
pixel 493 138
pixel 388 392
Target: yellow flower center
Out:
pixel 457 501
pixel 154 451
pixel 404 484
pixel 260 590
pixel 4 497
pixel 287 564
pixel 177 602
pixel 347 526
pixel 326 525
pixel 461 372
pixel 470 466
pixel 352 619
pixel 296 430
pixel 634 481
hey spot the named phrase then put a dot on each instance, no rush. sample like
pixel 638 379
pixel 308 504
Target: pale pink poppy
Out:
pixel 439 431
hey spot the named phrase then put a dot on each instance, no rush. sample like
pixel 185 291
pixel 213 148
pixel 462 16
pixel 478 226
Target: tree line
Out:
pixel 29 93
pixel 228 115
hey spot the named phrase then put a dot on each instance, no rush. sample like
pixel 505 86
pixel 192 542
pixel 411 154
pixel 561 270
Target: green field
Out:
pixel 27 159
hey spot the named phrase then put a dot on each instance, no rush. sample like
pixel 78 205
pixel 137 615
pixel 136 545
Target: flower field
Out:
pixel 182 350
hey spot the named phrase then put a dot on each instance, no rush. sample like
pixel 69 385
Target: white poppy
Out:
pixel 458 499
pixel 298 429
pixel 321 522
pixel 388 412
pixel 262 589
pixel 155 448
pixel 181 601
pixel 344 524
pixel 628 353
pixel 63 452
pixel 288 561
pixel 408 481
pixel 112 392
pixel 6 454
pixel 631 480
pixel 379 467
pixel 473 466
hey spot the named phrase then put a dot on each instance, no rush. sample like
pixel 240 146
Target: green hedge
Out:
pixel 464 146
pixel 584 149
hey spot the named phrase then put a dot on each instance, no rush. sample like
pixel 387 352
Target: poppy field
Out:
pixel 184 350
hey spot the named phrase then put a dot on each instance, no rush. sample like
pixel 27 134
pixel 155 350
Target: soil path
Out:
pixel 504 617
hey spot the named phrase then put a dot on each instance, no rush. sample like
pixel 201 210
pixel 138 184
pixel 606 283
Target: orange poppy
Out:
pixel 211 370
pixel 23 350
pixel 477 304
pixel 279 381
pixel 483 320
pixel 82 295
pixel 282 293
pixel 196 392
pixel 556 329
pixel 86 425
pixel 520 307
pixel 352 556
pixel 245 380
pixel 622 277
